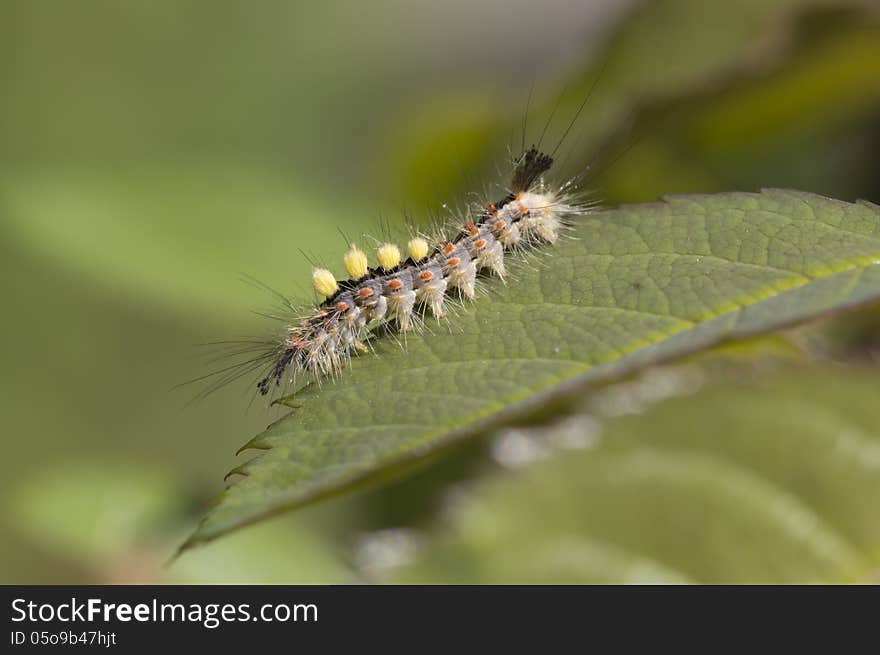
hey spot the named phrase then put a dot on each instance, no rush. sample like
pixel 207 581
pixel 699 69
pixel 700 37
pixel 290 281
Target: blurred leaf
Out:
pixel 664 51
pixel 856 339
pixel 92 510
pixel 178 234
pixel 798 125
pixel 831 82
pixel 774 482
pixel 673 48
pixel 119 522
pixel 278 552
pixel 429 153
pixel 637 285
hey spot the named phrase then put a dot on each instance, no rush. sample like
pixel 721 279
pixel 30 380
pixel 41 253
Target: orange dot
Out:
pixel 395 284
pixel 342 307
pixel 426 276
pixel 523 209
pixel 480 244
pixel 491 207
pixel 452 262
pixel 366 292
pixel 449 249
pixel 500 225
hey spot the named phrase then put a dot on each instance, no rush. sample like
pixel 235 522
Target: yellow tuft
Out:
pixel 418 249
pixel 324 282
pixel 355 261
pixel 388 255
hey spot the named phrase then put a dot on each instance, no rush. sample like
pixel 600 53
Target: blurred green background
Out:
pixel 152 152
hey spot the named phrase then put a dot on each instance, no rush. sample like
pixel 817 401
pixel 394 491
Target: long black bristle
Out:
pixel 532 165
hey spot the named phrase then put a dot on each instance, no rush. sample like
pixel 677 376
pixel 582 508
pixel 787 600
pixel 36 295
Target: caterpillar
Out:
pixel 398 293
pixel 395 295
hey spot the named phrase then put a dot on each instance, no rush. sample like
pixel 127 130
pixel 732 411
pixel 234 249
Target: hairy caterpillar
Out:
pixel 399 292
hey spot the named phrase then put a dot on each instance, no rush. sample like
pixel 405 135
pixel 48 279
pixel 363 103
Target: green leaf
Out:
pixel 776 481
pixel 635 286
